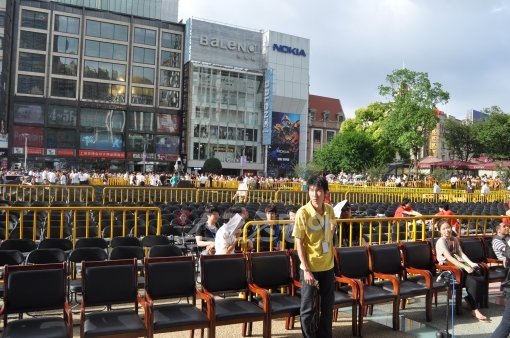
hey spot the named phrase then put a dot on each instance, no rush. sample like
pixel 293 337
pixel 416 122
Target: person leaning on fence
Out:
pixel 404 210
pixel 449 251
pixel 444 210
pixel 289 228
pixel 242 191
pixel 313 233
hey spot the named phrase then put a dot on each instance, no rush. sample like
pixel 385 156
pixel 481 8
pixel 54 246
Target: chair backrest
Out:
pixel 473 248
pixel 11 257
pixel 34 287
pixel 270 269
pixel 109 282
pixel 124 241
pixel 126 252
pixel 58 243
pixel 489 251
pixel 23 245
pixel 46 256
pixel 168 250
pixel 353 262
pixel 386 258
pixel 152 240
pixel 87 254
pixel 417 255
pixel 182 282
pixel 91 242
pixel 223 272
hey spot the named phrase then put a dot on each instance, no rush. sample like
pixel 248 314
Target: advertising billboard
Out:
pixel 167 144
pixel 167 123
pixel 29 113
pixel 283 153
pixel 101 140
pixel 223 45
pixel 268 107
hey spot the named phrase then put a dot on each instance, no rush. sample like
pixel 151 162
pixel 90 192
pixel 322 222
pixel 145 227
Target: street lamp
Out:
pixel 25 135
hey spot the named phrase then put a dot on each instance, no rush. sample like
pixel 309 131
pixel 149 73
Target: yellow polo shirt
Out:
pixel 313 229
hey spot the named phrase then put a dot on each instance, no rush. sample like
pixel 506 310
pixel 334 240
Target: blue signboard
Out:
pixel 268 107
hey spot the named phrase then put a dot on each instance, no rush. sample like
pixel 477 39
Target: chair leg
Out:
pixel 396 316
pixel 435 297
pixel 428 307
pixel 362 310
pixel 335 315
pixel 458 300
pixel 354 320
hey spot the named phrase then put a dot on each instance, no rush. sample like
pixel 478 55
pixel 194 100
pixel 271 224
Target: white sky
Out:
pixel 462 44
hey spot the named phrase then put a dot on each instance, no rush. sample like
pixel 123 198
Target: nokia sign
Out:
pixel 289 50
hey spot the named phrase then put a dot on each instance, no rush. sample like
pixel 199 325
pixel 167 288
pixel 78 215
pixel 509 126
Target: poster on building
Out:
pixel 101 140
pixel 284 149
pixel 167 123
pixel 167 144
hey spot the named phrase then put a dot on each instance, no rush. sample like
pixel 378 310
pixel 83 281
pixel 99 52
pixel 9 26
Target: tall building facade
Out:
pixel 92 88
pixel 247 98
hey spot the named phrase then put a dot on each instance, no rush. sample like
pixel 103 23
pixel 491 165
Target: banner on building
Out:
pixel 267 123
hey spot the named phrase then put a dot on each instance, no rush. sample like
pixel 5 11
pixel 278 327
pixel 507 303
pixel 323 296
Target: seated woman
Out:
pixel 448 251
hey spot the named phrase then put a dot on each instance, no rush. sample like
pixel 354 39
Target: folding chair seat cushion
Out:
pixel 407 288
pixel 175 315
pixel 375 294
pixel 109 322
pixel 282 303
pixel 36 328
pixel 497 273
pixel 342 297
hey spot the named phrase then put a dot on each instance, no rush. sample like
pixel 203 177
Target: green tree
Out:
pixel 351 151
pixel 370 120
pixel 306 171
pixel 493 134
pixel 212 165
pixel 412 103
pixel 462 139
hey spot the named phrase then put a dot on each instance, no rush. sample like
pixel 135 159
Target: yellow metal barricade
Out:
pixel 148 195
pixel 278 240
pixel 118 181
pixel 76 222
pixel 48 193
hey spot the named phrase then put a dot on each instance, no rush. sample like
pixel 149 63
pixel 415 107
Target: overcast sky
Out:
pixel 462 44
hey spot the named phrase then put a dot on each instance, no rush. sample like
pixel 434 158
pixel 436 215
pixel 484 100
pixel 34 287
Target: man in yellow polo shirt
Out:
pixel 313 231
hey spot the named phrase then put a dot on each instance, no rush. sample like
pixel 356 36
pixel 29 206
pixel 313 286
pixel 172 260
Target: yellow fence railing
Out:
pixel 47 193
pixel 76 222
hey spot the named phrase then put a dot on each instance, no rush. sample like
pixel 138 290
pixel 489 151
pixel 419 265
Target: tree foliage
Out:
pixel 307 171
pixel 462 139
pixel 212 165
pixel 350 151
pixel 411 115
pixel 493 133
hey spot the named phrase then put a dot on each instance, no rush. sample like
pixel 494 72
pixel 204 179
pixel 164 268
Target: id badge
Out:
pixel 325 247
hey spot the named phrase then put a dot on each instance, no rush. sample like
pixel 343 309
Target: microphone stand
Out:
pixel 451 287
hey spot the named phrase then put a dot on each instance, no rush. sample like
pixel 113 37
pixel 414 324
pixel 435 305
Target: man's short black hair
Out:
pixel 319 182
pixel 405 201
pixel 445 206
pixel 210 209
pixel 271 207
pixel 292 209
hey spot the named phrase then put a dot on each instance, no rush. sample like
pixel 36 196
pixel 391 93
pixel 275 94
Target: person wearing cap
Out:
pixel 313 232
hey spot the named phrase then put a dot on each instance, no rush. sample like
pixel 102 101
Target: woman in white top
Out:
pixel 448 251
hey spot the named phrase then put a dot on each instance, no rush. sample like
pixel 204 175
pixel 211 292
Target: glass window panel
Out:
pixel 118 72
pixel 65 66
pixel 150 37
pixel 32 40
pixel 67 24
pixel 166 144
pixel 170 59
pixel 106 50
pixel 93 28
pixel 120 52
pixel 107 30
pixel 31 62
pixel 140 121
pixel 103 119
pixel 33 19
pixel 60 138
pixel 139 35
pixel 64 44
pixel 171 40
pixel 103 71
pixel 2 18
pixel 121 33
pixel 73 25
pixel 169 98
pixel 63 88
pixel 61 116
pixel 169 78
pixel 140 95
pixel 135 142
pixel 118 93
pixel 91 48
pixel 143 75
pixel 90 69
pixel 138 53
pixel 30 84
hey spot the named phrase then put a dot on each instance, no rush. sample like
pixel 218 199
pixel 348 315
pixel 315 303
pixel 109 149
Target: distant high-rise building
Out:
pixel 165 10
pixel 476 116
